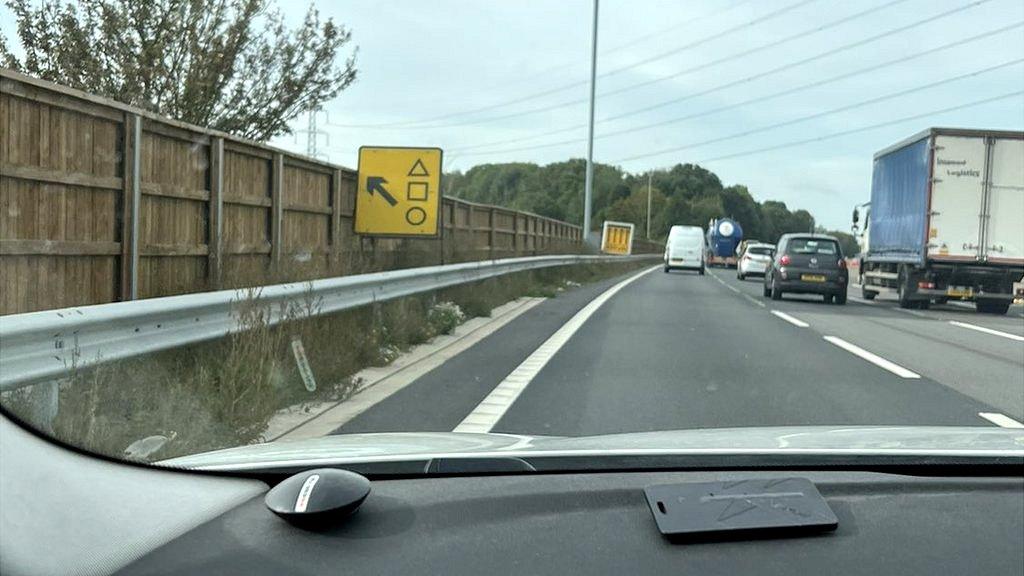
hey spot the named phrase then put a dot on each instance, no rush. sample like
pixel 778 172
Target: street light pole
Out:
pixel 650 174
pixel 588 190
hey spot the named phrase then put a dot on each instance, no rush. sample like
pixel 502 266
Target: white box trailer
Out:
pixel 946 219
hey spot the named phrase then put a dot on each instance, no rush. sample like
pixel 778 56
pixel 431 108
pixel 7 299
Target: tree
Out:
pixel 231 65
pixel 847 241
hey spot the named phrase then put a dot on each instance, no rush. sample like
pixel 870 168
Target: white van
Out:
pixel 684 249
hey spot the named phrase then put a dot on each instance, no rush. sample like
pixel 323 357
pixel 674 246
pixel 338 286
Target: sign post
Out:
pixel 617 238
pixel 399 191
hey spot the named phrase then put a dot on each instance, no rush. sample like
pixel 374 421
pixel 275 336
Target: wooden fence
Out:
pixel 101 202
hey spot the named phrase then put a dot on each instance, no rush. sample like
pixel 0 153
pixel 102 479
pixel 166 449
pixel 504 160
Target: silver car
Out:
pixel 754 260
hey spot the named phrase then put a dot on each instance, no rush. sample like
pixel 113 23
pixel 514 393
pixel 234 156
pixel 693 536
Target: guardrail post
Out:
pixel 131 197
pixel 216 222
pixel 276 208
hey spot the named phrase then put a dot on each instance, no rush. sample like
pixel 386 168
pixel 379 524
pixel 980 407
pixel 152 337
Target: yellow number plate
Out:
pixel 960 292
pixel 812 278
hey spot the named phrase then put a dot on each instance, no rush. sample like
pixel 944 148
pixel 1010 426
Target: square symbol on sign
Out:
pixel 417 191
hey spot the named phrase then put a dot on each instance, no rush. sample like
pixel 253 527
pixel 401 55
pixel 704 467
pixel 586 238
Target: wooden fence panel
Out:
pixel 58 205
pixel 246 219
pixel 174 214
pixel 213 211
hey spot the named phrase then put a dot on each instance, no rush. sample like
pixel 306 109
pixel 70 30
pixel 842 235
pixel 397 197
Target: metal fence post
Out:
pixel 276 208
pixel 131 199
pixel 216 211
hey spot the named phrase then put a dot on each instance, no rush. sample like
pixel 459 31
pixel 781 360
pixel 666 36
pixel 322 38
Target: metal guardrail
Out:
pixel 41 346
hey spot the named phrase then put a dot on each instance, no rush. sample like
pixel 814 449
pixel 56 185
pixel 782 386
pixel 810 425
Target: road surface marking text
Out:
pixel 794 321
pixel 873 358
pixel 1000 420
pixel 987 330
pixel 493 407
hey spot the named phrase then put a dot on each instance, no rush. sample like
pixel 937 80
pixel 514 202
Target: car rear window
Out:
pixel 809 246
pixel 760 250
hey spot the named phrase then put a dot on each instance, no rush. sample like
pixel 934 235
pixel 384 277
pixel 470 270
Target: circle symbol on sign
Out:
pixel 415 216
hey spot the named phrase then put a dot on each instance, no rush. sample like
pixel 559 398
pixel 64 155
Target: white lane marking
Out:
pixel 381 382
pixel 736 290
pixel 754 300
pixel 987 330
pixel 1000 420
pixel 794 321
pixel 873 358
pixel 494 406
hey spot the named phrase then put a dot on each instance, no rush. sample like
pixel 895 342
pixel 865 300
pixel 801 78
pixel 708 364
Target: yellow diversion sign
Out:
pixel 399 191
pixel 617 238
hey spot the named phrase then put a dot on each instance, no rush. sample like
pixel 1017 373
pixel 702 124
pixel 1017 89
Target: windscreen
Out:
pixel 249 231
pixel 812 246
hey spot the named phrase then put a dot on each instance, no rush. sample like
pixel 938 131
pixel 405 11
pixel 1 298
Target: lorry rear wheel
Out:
pixel 903 289
pixel 840 298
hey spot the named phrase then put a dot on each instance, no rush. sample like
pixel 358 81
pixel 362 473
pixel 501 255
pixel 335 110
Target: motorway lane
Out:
pixel 441 398
pixel 676 351
pixel 986 367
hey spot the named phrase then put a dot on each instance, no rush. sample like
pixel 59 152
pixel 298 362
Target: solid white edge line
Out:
pixel 1001 420
pixel 493 407
pixel 873 358
pixel 794 321
pixel 987 330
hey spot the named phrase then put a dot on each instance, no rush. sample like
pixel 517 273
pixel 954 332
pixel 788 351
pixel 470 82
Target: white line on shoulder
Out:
pixel 484 417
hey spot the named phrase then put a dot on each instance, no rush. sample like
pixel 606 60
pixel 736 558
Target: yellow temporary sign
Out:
pixel 399 191
pixel 617 238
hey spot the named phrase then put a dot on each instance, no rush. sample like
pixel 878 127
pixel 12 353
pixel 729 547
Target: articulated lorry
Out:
pixel 946 219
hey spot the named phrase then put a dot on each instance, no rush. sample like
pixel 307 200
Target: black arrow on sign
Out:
pixel 376 184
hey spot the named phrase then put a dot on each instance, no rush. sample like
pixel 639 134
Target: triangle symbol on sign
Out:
pixel 418 169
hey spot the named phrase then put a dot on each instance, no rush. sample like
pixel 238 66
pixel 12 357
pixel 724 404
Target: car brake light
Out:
pixel 926 285
pixel 842 264
pixel 784 260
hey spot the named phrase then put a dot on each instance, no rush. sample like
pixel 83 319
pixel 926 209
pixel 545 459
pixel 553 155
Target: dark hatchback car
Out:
pixel 807 264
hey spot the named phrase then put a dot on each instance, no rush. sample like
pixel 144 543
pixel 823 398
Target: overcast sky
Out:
pixel 463 73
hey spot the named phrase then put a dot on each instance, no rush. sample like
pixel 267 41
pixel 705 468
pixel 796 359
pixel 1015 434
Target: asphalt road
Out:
pixel 677 351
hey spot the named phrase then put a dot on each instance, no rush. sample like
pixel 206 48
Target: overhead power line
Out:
pixel 748 52
pixel 762 74
pixel 1006 96
pixel 828 112
pixel 746 79
pixel 756 100
pixel 564 87
pixel 628 44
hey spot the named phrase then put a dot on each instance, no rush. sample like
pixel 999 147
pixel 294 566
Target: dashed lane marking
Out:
pixel 987 330
pixel 873 358
pixel 1000 420
pixel 794 321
